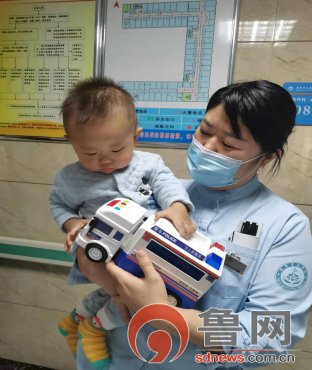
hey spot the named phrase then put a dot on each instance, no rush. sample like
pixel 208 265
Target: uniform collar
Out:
pixel 217 197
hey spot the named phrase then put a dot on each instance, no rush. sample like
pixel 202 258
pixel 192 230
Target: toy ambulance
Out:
pixel 120 228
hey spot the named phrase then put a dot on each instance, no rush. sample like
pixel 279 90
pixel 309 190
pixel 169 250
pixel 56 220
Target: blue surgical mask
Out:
pixel 213 169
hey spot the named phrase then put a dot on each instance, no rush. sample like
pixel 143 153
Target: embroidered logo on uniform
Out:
pixel 291 276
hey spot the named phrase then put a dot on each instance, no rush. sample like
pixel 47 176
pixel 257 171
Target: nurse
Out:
pixel 244 131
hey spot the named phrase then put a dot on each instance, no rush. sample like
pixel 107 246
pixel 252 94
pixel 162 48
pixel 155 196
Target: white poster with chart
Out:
pixel 171 56
pixel 45 47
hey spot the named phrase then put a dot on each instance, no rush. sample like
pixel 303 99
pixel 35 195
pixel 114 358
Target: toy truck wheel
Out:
pixel 174 299
pixel 96 253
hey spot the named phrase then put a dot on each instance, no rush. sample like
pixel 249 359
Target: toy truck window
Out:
pixel 118 236
pixel 102 226
pixel 175 260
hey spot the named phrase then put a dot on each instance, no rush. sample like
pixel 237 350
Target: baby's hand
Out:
pixel 73 226
pixel 178 214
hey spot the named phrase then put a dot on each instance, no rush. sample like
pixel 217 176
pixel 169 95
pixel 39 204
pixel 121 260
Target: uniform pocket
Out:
pixel 232 285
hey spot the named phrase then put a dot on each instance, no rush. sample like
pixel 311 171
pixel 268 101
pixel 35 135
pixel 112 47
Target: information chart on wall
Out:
pixel 44 49
pixel 170 55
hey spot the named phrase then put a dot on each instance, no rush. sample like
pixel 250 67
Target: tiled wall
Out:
pixel 275 43
pixel 281 50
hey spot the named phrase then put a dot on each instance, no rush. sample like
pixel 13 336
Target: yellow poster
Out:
pixel 45 47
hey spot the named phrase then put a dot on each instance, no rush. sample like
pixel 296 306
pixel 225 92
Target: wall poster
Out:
pixel 170 55
pixel 45 47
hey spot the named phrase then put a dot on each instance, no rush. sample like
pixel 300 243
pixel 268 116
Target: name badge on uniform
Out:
pixel 235 264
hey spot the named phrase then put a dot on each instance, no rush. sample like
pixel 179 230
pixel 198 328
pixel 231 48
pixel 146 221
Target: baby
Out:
pixel 100 122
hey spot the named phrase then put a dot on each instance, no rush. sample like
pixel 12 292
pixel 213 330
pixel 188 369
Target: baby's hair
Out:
pixel 94 98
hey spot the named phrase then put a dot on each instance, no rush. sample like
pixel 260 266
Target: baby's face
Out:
pixel 104 145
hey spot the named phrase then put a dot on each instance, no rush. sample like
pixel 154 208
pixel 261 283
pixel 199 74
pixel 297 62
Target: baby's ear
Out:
pixel 136 134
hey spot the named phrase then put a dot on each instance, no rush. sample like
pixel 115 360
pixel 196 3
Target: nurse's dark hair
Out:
pixel 265 108
pixel 95 98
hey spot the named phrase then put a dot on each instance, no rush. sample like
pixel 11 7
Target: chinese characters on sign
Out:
pixel 301 93
pixel 177 56
pixel 169 125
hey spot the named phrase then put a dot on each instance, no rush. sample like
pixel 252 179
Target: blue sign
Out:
pixel 168 125
pixel 301 93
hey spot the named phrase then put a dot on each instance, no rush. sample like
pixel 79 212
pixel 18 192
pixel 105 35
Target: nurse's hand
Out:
pixel 136 292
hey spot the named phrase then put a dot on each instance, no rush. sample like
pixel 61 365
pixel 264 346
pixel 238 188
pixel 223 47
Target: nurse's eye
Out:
pixel 118 150
pixel 228 146
pixel 203 132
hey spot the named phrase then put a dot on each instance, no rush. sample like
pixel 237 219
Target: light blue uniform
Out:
pixel 284 250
